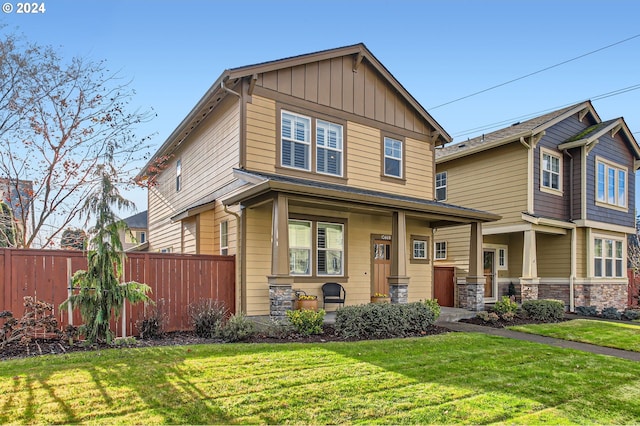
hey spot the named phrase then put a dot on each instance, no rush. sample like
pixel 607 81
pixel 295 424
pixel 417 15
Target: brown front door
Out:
pixel 381 265
pixel 443 285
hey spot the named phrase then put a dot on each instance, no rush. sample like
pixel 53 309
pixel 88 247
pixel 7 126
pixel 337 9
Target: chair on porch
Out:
pixel 333 293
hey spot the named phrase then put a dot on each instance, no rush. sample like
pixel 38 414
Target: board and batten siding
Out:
pixel 208 157
pixel 494 180
pixel 333 83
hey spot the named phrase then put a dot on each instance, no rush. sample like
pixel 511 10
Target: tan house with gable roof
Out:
pixel 564 184
pixel 311 169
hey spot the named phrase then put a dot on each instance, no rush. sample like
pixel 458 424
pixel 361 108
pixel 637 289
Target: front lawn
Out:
pixel 602 333
pixel 467 378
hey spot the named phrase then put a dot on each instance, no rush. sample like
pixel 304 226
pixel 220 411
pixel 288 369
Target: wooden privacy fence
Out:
pixel 634 288
pixel 175 280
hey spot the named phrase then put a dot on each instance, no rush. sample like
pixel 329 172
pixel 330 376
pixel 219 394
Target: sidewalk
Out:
pixel 503 332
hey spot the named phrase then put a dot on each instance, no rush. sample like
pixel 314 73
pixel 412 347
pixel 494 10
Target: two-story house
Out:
pixel 310 169
pixel 564 184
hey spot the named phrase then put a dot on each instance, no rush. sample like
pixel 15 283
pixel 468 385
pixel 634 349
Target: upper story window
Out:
pixel 611 184
pixel 328 148
pixel 608 258
pixel 550 171
pixel 298 143
pixel 178 175
pixel 392 157
pixel 441 186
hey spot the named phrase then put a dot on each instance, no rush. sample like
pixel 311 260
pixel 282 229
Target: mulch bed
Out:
pixel 500 323
pixel 38 347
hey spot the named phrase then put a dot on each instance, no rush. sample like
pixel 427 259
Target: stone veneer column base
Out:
pixel 280 296
pixel 471 293
pixel 399 289
pixel 529 288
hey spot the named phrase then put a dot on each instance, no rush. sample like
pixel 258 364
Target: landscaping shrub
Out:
pixel 544 309
pixel 631 314
pixel 207 317
pixel 376 320
pixel 611 313
pixel 153 321
pixel 435 308
pixel 587 311
pixel 237 328
pixel 505 306
pixel 307 321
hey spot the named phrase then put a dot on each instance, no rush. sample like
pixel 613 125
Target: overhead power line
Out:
pixel 536 72
pixel 535 114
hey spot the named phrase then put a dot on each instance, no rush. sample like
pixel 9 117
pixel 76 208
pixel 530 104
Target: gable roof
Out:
pixel 592 133
pixel 230 78
pixel 139 220
pixel 513 133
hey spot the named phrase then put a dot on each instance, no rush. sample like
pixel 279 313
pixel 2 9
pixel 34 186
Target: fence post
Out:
pixel 69 291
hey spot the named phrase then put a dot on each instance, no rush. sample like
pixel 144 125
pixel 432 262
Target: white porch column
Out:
pixel 529 281
pixel 280 282
pixel 399 281
pixel 471 293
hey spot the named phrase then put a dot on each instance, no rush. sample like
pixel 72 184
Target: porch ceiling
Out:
pixel 345 198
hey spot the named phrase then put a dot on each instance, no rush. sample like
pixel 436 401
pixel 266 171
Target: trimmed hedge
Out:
pixel 380 320
pixel 544 309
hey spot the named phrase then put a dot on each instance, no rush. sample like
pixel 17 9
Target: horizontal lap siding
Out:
pixel 458 241
pixel 258 259
pixel 493 180
pixel 421 283
pixel 553 255
pixel 208 156
pixel 261 135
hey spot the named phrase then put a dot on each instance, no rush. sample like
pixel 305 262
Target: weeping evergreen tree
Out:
pixel 100 292
pixel 8 231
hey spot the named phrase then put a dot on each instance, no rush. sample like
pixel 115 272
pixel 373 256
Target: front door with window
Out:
pixel 381 265
pixel 490 286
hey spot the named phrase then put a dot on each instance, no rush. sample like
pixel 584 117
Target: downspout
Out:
pixel 239 258
pixel 572 275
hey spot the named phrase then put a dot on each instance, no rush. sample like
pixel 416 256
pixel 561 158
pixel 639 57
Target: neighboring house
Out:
pixel 311 169
pixel 136 238
pixel 18 196
pixel 564 184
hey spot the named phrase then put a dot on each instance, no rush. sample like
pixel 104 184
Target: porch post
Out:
pixel 529 281
pixel 398 280
pixel 471 295
pixel 280 282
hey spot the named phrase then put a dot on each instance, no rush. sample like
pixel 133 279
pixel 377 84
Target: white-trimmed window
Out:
pixel 392 157
pixel 178 175
pixel 550 171
pixel 420 249
pixel 296 141
pixel 611 183
pixel 608 258
pixel 441 186
pixel 330 244
pixel 328 148
pixel 502 258
pixel 300 247
pixel 224 238
pixel 440 250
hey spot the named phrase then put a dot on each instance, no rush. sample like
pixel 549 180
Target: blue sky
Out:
pixel 173 50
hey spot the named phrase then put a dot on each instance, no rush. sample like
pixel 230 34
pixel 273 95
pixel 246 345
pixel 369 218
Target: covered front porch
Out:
pixel 299 234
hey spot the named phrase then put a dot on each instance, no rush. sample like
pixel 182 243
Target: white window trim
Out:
pixel 446 180
pixel 309 143
pixel 327 148
pixel 310 248
pixel 224 246
pixel 318 249
pixel 178 174
pixel 436 253
pixel 592 256
pixel 385 156
pixel 547 189
pixel 498 248
pixel 610 165
pixel 424 248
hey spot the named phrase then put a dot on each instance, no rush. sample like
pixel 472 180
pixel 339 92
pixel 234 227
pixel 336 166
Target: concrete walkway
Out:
pixel 503 332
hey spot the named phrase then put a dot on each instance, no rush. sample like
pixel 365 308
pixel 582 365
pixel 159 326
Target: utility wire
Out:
pixel 535 114
pixel 536 72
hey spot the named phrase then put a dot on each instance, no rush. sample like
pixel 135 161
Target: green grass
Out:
pixel 457 378
pixel 602 333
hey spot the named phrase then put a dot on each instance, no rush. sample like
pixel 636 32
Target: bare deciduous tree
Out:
pixel 58 118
